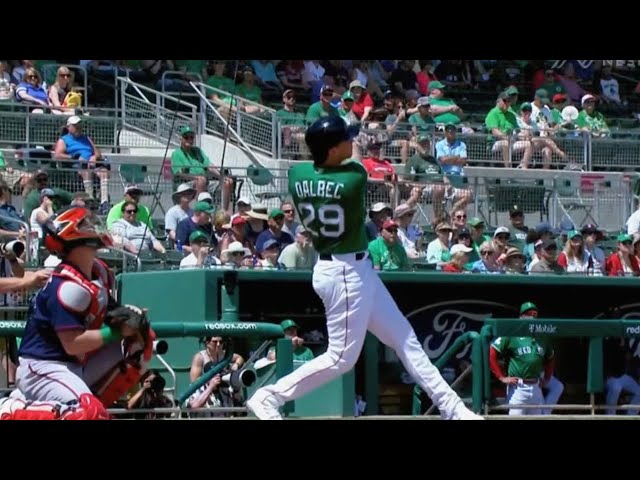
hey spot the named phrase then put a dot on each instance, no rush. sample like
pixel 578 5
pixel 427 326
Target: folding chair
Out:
pixel 568 192
pixel 530 195
pixel 261 177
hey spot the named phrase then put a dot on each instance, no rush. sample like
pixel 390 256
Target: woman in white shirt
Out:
pixel 574 258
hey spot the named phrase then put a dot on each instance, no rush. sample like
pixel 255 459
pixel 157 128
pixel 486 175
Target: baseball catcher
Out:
pixel 80 351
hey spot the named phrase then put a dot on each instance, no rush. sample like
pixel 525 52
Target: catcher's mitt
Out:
pixel 134 317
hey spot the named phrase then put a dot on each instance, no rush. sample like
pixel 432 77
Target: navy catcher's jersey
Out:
pixel 49 314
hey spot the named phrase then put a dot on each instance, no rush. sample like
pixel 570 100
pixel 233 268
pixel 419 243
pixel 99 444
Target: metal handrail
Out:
pixel 231 130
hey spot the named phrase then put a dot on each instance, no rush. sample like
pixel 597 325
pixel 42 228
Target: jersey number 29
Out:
pixel 330 216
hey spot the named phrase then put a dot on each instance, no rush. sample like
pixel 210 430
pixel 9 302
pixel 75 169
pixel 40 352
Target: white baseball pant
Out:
pixel 356 300
pixel 64 382
pixel 525 394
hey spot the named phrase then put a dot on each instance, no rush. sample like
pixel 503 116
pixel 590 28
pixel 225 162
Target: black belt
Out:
pixel 328 256
pixel 531 381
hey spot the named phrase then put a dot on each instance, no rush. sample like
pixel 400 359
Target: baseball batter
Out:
pixel 329 196
pixel 79 352
pixel 527 358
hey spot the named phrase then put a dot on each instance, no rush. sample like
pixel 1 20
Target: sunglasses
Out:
pixel 392 230
pixel 64 75
pixel 487 252
pixel 131 211
pixel 327 93
pixel 502 237
pixel 461 216
pixel 188 137
pixel 288 211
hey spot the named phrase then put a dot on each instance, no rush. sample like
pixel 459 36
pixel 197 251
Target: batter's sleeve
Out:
pixel 68 306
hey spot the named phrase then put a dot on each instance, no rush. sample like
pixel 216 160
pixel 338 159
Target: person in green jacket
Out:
pixel 63 198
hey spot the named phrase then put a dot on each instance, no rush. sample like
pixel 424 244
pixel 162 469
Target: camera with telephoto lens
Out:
pixel 15 247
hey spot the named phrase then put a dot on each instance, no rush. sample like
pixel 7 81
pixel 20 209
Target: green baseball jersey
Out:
pixel 526 355
pixel 331 205
pixel 447 117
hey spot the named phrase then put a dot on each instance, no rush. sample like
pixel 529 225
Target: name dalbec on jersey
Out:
pixel 319 188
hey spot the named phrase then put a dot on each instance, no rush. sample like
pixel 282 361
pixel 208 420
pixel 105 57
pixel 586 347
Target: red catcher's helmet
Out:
pixel 72 228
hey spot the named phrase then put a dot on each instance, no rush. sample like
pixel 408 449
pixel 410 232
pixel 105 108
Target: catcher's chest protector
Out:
pixel 97 308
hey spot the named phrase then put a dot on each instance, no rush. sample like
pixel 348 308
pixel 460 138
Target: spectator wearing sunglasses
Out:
pixel 132 234
pixel 60 89
pixel 29 91
pixel 387 253
pixel 290 225
pixel 623 262
pixel 488 262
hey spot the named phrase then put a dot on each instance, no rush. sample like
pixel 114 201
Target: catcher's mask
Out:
pixel 72 228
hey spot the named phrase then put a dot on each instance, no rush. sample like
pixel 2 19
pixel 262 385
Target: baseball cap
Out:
pixel 185 129
pixel 288 323
pixel 573 234
pixel 559 98
pixel 73 120
pixel 300 229
pixel 545 227
pixel 526 306
pixel 590 228
pixel 504 96
pixel 379 207
pixel 526 106
pixel 204 207
pixel 326 88
pixel 198 236
pixel 450 127
pixel 238 221
pixel 288 92
pixel 512 90
pixel 276 212
pixel 424 102
pixel 435 84
pixel 133 189
pixel 356 83
pixel 389 224
pixel 514 210
pixel 500 230
pixel 513 252
pixel 272 242
pixel 424 138
pixel 475 221
pixel 542 94
pixel 458 247
pixel 548 243
pixel 623 237
pixel 586 98
pixel 464 232
pixel 47 192
pixel 347 95
pixel 202 196
pixel 244 201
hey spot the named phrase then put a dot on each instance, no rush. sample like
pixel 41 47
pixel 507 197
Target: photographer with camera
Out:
pixel 150 395
pixel 202 254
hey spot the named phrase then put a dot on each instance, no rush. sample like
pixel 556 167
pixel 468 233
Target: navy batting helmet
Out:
pixel 327 132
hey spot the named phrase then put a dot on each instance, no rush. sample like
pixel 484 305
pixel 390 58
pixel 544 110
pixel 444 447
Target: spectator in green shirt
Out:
pixel 191 165
pixel 387 253
pixel 323 107
pixel 301 353
pixel 590 120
